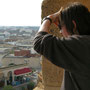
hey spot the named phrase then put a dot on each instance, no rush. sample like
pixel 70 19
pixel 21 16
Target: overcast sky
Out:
pixel 20 12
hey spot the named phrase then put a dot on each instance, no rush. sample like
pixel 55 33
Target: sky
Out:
pixel 20 12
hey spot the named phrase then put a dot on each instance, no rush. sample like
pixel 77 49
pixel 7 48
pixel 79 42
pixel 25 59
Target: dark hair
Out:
pixel 80 14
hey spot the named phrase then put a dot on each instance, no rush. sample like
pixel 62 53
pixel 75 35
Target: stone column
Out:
pixel 13 76
pixel 5 76
pixel 52 75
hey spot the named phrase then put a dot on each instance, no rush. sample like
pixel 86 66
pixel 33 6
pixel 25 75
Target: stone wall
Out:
pixel 34 62
pixel 52 75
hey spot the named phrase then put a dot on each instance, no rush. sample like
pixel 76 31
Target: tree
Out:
pixel 31 85
pixel 23 88
pixel 8 87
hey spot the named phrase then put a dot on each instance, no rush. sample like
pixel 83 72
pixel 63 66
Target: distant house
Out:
pixel 2 36
pixel 26 34
pixel 7 34
pixel 14 34
pixel 25 53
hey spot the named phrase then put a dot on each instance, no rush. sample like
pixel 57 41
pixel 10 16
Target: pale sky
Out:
pixel 20 12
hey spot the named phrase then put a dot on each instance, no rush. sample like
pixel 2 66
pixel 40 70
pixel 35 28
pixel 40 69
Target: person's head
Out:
pixel 75 19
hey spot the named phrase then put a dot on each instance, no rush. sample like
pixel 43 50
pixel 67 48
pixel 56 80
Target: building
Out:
pixel 14 75
pixel 26 53
pixel 10 59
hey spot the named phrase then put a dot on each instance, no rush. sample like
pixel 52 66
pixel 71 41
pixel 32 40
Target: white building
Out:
pixel 7 34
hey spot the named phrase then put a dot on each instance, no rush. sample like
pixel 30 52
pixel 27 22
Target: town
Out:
pixel 19 63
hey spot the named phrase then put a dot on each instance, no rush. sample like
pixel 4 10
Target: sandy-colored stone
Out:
pixel 52 75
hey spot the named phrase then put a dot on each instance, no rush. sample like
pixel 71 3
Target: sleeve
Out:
pixel 61 52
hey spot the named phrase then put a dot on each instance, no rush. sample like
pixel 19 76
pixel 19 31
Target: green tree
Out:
pixel 31 85
pixel 8 87
pixel 23 88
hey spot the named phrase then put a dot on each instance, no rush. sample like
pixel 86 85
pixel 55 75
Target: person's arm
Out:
pixel 66 53
pixel 45 26
pixel 54 18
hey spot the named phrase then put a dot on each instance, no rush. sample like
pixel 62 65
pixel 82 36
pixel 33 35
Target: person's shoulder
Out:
pixel 78 37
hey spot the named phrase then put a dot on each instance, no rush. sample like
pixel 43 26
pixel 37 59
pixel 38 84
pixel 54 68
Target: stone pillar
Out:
pixel 5 81
pixel 5 76
pixel 52 75
pixel 13 76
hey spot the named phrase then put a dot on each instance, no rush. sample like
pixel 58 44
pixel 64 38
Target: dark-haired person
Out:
pixel 72 51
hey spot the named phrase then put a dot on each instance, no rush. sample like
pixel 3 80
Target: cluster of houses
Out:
pixel 17 68
pixel 19 63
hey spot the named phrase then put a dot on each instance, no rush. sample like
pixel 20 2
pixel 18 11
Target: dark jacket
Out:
pixel 72 54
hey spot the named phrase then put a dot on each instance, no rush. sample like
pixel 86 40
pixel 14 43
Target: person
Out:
pixel 72 51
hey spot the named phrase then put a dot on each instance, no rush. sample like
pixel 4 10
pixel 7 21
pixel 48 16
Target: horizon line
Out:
pixel 20 26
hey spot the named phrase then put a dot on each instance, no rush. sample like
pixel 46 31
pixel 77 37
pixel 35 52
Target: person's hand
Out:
pixel 55 17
